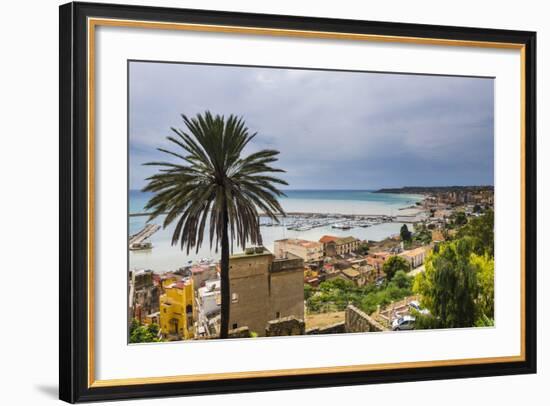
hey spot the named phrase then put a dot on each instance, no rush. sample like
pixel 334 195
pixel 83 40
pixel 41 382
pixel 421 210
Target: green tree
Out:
pixel 425 321
pixel 481 231
pixel 422 234
pixel 363 249
pixel 308 291
pixel 208 180
pixel 394 264
pixel 449 285
pixel 405 233
pixel 460 218
pixel 143 334
pixel 485 271
pixel 402 280
pixel 485 321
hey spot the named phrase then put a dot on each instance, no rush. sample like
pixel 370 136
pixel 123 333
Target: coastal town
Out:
pixel 335 284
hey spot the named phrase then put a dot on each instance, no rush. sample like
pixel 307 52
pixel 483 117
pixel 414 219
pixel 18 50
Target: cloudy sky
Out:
pixel 335 130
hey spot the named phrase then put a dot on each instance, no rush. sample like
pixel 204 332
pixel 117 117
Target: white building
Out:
pixel 414 257
pixel 309 251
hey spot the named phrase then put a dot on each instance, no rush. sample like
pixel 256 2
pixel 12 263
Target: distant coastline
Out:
pixel 424 190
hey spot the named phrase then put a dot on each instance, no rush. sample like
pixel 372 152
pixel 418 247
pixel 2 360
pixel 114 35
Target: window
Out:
pixel 234 298
pixel 278 315
pixel 234 326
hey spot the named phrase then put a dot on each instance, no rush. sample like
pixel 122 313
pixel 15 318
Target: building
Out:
pixel 333 246
pixel 209 298
pixel 311 277
pixel 264 288
pixel 144 295
pixel 167 279
pixel 208 307
pixel 153 318
pixel 176 310
pixel 360 275
pixel 202 273
pixel 437 236
pixel 352 275
pixel 377 259
pixel 414 257
pixel 309 251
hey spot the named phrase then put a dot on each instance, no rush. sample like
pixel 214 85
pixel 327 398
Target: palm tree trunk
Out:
pixel 224 275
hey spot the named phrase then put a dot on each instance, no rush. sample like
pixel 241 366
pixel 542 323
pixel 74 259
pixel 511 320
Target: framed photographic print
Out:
pixel 256 202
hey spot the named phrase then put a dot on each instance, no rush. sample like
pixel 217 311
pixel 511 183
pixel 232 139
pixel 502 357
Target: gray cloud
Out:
pixel 346 130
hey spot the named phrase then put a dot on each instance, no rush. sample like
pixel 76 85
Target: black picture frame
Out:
pixel 73 283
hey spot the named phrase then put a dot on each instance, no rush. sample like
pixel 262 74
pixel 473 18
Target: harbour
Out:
pixel 309 215
pixel 139 241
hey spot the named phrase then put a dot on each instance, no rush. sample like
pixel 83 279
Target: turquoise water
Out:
pixel 328 201
pixel 165 257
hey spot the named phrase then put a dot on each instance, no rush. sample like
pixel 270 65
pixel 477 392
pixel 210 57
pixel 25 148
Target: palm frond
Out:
pixel 211 176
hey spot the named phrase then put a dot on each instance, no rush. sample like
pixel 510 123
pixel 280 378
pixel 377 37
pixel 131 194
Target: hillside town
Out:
pixel 337 284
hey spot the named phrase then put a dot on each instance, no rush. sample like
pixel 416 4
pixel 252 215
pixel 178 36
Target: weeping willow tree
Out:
pixel 208 188
pixel 457 286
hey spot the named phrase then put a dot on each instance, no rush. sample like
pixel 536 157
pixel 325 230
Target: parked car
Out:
pixel 403 323
pixel 415 305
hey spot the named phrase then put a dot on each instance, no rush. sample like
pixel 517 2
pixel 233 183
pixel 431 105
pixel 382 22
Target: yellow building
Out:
pixel 176 310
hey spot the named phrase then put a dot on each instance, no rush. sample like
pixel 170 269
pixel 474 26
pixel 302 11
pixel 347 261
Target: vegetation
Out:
pixel 362 249
pixel 481 231
pixel 402 280
pixel 308 291
pixel 458 284
pixel 459 218
pixel 207 180
pixel 422 234
pixel 336 294
pixel 395 264
pixel 143 333
pixel 405 233
pixel 485 321
pixel 449 286
pixel 485 270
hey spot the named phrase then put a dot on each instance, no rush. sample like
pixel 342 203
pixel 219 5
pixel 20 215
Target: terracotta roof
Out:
pixel 327 238
pixel 182 284
pixel 200 268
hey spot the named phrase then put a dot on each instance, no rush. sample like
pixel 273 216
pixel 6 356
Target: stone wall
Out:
pixel 286 326
pixel 286 294
pixel 241 332
pixel 335 328
pixel 358 321
pixel 287 264
pixel 249 290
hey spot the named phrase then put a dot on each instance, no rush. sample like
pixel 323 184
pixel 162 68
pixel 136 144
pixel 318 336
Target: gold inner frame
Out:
pixel 94 22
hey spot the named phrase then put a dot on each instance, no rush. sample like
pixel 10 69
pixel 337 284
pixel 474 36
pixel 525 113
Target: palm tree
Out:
pixel 210 182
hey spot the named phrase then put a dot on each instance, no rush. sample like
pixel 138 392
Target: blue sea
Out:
pixel 165 257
